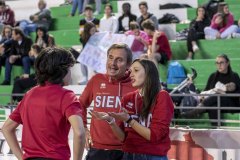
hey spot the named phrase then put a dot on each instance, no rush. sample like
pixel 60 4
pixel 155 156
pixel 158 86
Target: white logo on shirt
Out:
pixel 103 85
pixel 129 105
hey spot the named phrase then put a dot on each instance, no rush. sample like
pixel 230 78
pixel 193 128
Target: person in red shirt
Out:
pixel 47 112
pixel 159 48
pixel 7 16
pixel 146 113
pixel 106 91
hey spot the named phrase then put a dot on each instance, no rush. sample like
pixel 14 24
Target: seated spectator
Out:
pixel 42 18
pixel 88 13
pixel 5 44
pixel 126 18
pixel 231 82
pixel 221 24
pixel 159 48
pixel 43 39
pixel 196 31
pixel 140 42
pixel 98 5
pixel 18 55
pixel 146 15
pixel 7 16
pixel 77 4
pixel 109 22
pixel 23 83
pixel 88 31
pixel 237 34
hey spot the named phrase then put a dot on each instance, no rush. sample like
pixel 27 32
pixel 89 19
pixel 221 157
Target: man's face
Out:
pixel 2 8
pixel 88 13
pixel 117 63
pixel 143 9
pixel 15 36
pixel 41 5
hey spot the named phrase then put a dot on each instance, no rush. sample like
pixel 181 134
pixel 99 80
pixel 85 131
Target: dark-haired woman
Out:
pixel 196 31
pixel 146 114
pixel 43 39
pixel 47 112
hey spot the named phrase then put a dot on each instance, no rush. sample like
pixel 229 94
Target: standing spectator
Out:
pixel 106 91
pixel 47 118
pixel 109 22
pixel 77 4
pixel 196 31
pixel 159 48
pixel 222 24
pixel 20 48
pixel 88 31
pixel 146 15
pixel 146 116
pixel 88 13
pixel 98 5
pixel 43 39
pixel 7 16
pixel 140 42
pixel 42 18
pixel 126 18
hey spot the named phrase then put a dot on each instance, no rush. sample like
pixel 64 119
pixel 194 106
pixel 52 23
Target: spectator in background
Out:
pixel 98 6
pixel 77 4
pixel 7 16
pixel 237 34
pixel 196 31
pixel 159 50
pixel 222 24
pixel 109 22
pixel 20 48
pixel 146 115
pixel 22 84
pixel 146 15
pixel 47 118
pixel 88 13
pixel 88 31
pixel 43 39
pixel 106 91
pixel 5 44
pixel 42 18
pixel 126 18
pixel 140 42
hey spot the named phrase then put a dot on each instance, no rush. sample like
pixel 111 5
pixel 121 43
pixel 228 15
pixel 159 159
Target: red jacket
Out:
pixel 7 17
pixel 158 122
pixel 106 95
pixel 230 21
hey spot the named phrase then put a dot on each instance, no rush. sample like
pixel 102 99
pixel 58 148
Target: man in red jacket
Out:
pixel 106 91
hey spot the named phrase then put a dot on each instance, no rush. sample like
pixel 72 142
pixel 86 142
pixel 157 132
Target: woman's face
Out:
pixel 108 11
pixel 136 32
pixel 222 65
pixel 137 75
pixel 40 33
pixel 201 12
pixel 93 30
pixel 226 10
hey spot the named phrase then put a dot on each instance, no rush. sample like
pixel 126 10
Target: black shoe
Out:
pixel 5 82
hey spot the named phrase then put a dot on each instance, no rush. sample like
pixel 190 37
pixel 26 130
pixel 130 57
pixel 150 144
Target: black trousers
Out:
pixel 21 85
pixel 100 154
pixel 193 35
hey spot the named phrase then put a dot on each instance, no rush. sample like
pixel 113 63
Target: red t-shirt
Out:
pixel 164 46
pixel 44 113
pixel 158 122
pixel 106 94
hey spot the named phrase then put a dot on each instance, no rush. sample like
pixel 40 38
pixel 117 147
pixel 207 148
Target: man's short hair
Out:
pixel 143 3
pixel 148 24
pixel 19 31
pixel 122 46
pixel 88 7
pixel 2 3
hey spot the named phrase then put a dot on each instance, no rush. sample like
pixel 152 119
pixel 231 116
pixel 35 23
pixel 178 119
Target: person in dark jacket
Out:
pixel 20 48
pixel 125 19
pixel 196 31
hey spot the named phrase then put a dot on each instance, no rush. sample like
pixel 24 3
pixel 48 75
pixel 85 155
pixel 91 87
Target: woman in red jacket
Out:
pixel 146 113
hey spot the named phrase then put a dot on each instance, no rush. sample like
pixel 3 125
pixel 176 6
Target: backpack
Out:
pixel 168 18
pixel 176 73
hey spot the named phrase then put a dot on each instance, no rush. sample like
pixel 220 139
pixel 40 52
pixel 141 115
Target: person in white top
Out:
pixel 109 22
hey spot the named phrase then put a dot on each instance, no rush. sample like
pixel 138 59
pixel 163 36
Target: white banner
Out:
pixel 94 54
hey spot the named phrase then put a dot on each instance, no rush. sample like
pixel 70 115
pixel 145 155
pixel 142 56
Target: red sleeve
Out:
pixel 86 100
pixel 70 105
pixel 161 117
pixel 15 115
pixel 11 18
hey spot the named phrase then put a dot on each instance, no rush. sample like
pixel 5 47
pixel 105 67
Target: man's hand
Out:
pixel 88 143
pixel 13 58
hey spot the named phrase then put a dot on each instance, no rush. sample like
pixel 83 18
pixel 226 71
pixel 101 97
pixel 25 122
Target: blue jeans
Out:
pixel 25 61
pixel 77 4
pixel 133 156
pixel 27 27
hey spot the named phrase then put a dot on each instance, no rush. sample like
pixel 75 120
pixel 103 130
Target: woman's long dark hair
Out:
pixel 85 35
pixel 45 35
pixel 220 10
pixel 151 86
